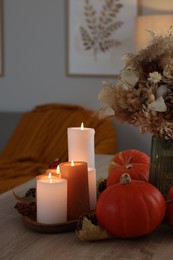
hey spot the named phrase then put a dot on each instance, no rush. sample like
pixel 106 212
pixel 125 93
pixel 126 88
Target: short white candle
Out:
pixel 51 194
pixel 92 187
pixel 81 145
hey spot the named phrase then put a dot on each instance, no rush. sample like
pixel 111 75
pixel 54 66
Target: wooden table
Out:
pixel 18 242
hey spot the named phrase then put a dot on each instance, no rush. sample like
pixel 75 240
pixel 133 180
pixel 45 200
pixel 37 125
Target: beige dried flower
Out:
pixel 155 77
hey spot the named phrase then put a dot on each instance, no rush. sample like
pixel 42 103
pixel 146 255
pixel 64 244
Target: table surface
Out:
pixel 18 242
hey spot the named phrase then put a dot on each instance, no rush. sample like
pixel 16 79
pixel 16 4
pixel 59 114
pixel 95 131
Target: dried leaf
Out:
pixel 162 91
pixel 129 76
pixel 91 232
pixel 106 112
pixel 158 105
pixel 106 94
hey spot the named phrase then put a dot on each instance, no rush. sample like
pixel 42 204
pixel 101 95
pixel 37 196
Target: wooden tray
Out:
pixel 52 228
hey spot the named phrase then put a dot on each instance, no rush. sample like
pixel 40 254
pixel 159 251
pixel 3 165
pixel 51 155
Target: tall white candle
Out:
pixel 81 145
pixel 92 187
pixel 51 194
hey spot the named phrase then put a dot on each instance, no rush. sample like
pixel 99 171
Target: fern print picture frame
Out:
pixel 99 33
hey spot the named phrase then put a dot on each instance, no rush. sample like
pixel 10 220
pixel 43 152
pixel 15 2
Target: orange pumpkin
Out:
pixel 131 161
pixel 169 208
pixel 130 208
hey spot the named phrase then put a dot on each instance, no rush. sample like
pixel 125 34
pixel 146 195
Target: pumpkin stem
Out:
pixel 125 178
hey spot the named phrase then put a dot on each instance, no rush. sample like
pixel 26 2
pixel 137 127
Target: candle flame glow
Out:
pixel 58 171
pixel 50 177
pixel 82 126
pixel 72 163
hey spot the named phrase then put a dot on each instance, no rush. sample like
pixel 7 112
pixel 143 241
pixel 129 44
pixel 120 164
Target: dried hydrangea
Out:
pixel 144 94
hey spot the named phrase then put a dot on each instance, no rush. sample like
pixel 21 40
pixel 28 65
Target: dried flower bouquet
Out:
pixel 143 95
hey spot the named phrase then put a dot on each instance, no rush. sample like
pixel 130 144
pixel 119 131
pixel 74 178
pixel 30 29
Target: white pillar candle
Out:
pixel 51 196
pixel 92 187
pixel 81 145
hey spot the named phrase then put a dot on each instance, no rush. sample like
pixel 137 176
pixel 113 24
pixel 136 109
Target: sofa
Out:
pixel 32 140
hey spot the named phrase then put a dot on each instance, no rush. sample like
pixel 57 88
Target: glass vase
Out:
pixel 161 164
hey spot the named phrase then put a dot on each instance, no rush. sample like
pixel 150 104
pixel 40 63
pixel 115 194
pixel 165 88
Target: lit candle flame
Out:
pixel 82 126
pixel 72 163
pixel 58 171
pixel 50 177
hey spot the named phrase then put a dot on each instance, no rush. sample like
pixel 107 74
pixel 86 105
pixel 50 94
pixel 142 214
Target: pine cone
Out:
pixel 26 205
pixel 30 193
pixel 26 209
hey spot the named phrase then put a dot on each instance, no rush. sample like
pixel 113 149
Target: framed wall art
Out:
pixel 99 33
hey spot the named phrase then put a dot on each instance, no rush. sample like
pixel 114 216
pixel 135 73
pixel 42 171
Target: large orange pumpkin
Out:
pixel 169 208
pixel 131 161
pixel 132 209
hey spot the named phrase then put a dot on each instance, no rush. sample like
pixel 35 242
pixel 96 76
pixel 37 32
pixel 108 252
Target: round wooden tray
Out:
pixel 52 228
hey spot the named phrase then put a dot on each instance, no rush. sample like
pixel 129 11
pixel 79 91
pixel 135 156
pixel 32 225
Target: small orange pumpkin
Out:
pixel 131 161
pixel 131 208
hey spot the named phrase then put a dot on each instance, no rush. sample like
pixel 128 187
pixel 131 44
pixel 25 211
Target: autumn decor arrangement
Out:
pixel 126 208
pixel 143 97
pixel 136 196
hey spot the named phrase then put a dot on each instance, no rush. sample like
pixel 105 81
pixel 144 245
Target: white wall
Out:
pixel 35 69
pixel 34 51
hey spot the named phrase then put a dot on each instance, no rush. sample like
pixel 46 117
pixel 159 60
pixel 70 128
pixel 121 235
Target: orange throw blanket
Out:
pixel 41 137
